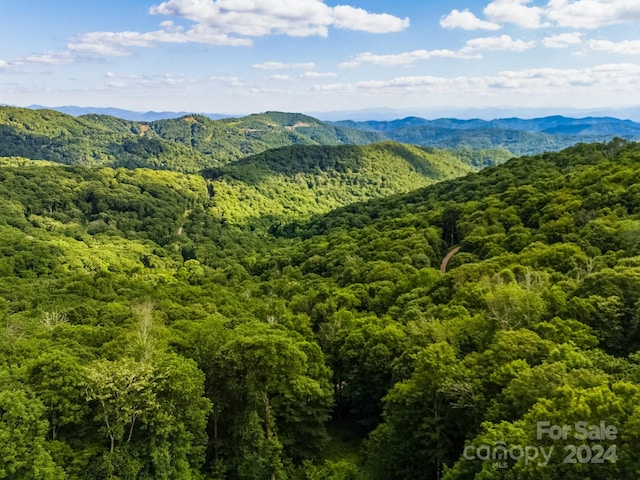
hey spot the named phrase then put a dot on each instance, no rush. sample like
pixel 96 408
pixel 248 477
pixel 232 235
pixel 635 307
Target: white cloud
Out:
pixel 563 40
pixel 404 58
pixel 253 18
pixel 387 87
pixel 117 84
pixel 604 77
pixel 278 77
pixel 109 44
pixel 610 79
pixel 350 18
pixel 578 14
pixel 3 64
pixel 230 81
pixel 122 76
pixel 119 44
pixel 258 92
pixel 516 12
pixel 147 82
pixel 296 18
pixel 503 42
pixel 284 66
pixel 467 21
pixel 319 75
pixel 47 58
pixel 592 13
pixel 626 47
pixel 225 22
pixel 170 26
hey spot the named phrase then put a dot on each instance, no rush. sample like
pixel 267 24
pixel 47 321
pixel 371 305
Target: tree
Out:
pixel 154 415
pixel 57 378
pixel 23 429
pixel 425 418
pixel 123 391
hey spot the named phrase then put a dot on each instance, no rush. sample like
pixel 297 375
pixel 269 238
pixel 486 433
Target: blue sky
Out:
pixel 243 56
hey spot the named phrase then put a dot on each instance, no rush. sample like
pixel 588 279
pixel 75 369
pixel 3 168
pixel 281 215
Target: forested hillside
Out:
pixel 194 142
pixel 295 182
pixel 144 337
pixel 186 144
pixel 233 138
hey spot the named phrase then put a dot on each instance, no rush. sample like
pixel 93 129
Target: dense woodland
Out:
pixel 187 144
pixel 156 327
pixel 194 142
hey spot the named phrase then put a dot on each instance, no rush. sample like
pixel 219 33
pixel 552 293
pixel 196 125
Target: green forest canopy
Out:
pixel 142 337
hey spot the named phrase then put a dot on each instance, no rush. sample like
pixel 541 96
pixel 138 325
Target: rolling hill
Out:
pixel 187 144
pixel 233 138
pixel 271 188
pixel 195 142
pixel 295 182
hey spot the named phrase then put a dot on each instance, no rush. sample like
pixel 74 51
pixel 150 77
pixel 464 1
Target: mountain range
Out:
pixel 193 142
pixel 135 116
pixel 518 136
pixel 364 115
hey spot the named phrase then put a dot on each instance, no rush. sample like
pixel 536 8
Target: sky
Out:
pixel 247 56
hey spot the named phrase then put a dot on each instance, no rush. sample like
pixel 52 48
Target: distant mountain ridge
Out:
pixel 541 124
pixel 132 115
pixel 548 123
pixel 519 136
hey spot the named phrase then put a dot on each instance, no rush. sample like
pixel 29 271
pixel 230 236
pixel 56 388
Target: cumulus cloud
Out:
pixel 119 44
pixel 516 12
pixel 350 18
pixel 626 47
pixel 110 44
pixel 47 58
pixel 578 14
pixel 312 74
pixel 602 79
pixel 503 42
pixel 122 76
pixel 252 18
pixel 592 13
pixel 117 84
pixel 404 58
pixel 563 40
pixel 231 81
pixel 467 21
pixel 284 66
pixel 287 17
pixel 470 51
pixel 146 82
pixel 278 77
pixel 228 23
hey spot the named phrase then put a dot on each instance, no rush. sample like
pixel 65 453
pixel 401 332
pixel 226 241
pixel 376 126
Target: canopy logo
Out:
pixel 591 450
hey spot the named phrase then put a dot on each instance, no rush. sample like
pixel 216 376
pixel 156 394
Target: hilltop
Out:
pixel 295 182
pixel 187 144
